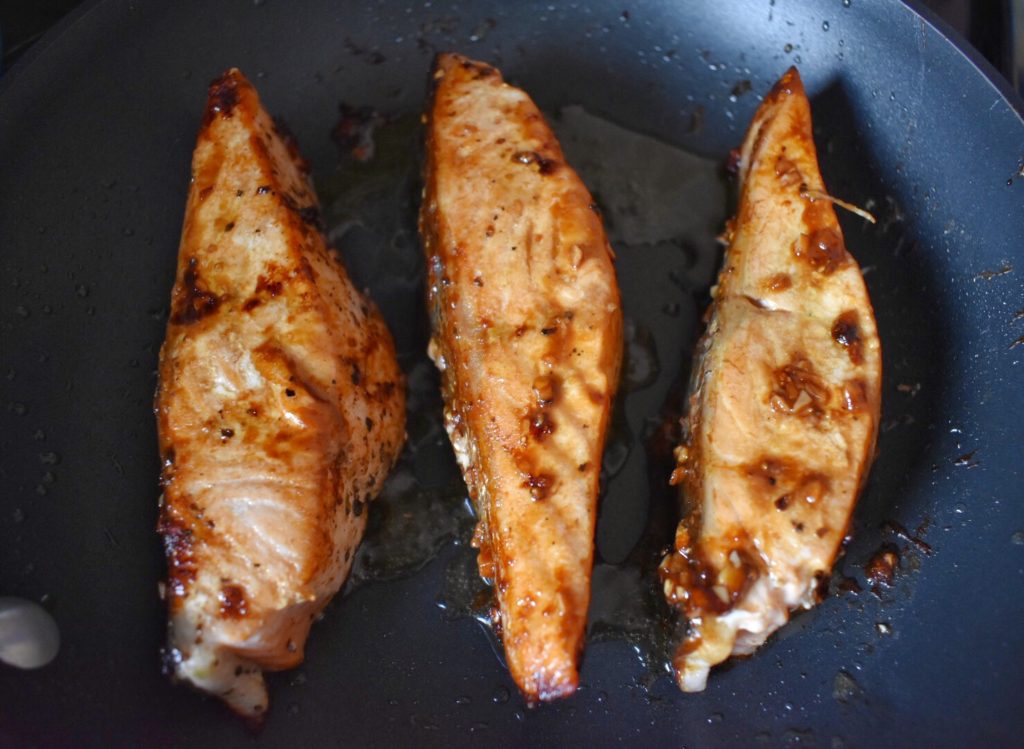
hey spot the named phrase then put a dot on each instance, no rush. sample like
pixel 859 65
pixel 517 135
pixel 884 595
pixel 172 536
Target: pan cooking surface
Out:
pixel 96 132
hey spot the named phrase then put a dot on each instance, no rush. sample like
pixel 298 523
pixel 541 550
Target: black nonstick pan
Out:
pixel 97 125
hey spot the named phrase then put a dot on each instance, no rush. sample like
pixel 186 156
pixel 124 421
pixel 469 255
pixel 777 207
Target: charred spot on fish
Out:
pixel 545 389
pixel 222 98
pixel 548 331
pixel 357 374
pixel 846 332
pixel 266 285
pixel 539 485
pixel 772 474
pixel 357 507
pixel 778 282
pixel 193 302
pixel 251 303
pixel 311 215
pixel 798 389
pixel 855 396
pixel 289 392
pixel 822 247
pixel 798 527
pixel 541 424
pixel 479 70
pixel 226 434
pixel 694 585
pixel 821 584
pixel 181 567
pixel 583 467
pixel 770 470
pixel 544 164
pixel 233 604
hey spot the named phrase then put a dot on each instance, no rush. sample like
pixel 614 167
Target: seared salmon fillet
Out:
pixel 280 409
pixel 527 332
pixel 784 403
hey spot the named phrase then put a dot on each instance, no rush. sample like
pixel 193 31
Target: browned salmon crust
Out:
pixel 528 336
pixel 280 409
pixel 784 403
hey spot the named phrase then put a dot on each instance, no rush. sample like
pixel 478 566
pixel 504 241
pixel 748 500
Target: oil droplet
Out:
pixel 715 718
pixel 463 700
pixel 500 696
pixel 959 508
pixel 884 628
pixel 846 3
pixel 824 26
pixel 1017 539
pixel 29 637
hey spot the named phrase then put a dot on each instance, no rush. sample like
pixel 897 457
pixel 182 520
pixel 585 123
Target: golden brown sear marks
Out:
pixel 798 389
pixel 784 405
pixel 527 334
pixel 268 440
pixel 778 282
pixel 846 332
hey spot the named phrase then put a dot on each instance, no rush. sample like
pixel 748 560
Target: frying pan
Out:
pixel 97 124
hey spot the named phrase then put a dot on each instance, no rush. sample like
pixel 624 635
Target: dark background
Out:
pixel 987 24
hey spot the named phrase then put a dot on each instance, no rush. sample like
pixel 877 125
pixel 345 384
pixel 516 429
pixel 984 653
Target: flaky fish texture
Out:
pixel 527 332
pixel 784 403
pixel 280 409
